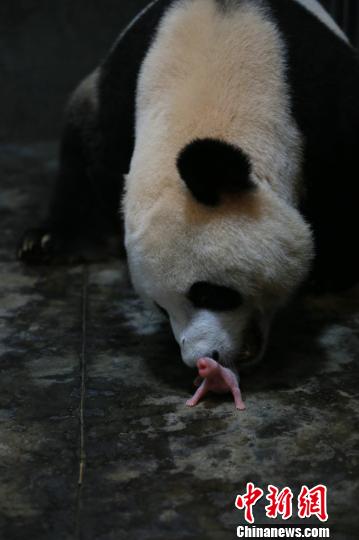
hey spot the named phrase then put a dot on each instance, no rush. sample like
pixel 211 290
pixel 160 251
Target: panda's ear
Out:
pixel 211 167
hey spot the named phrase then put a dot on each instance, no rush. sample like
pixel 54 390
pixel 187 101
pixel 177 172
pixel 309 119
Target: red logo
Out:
pixel 280 502
pixel 248 500
pixel 310 502
pixel 313 502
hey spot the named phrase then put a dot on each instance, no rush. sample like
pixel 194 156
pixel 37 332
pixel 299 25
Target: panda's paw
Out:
pixel 37 246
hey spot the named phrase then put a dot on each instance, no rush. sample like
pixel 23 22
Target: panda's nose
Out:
pixel 215 355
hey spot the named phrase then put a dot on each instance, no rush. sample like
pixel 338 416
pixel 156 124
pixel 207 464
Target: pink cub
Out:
pixel 218 379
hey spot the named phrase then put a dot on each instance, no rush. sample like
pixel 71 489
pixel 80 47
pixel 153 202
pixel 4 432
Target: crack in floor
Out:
pixel 83 362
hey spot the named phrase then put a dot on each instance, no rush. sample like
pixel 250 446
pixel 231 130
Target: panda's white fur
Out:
pixel 218 74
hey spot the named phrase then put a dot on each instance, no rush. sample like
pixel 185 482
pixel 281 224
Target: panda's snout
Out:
pixel 191 355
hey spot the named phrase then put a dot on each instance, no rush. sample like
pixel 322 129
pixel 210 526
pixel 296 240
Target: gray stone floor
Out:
pixel 92 387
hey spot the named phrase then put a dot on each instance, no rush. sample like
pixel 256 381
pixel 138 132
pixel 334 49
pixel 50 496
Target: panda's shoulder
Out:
pixel 129 49
pixel 316 9
pixel 306 23
pixel 322 65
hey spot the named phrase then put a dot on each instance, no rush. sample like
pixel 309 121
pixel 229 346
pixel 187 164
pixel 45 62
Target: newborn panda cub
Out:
pixel 230 140
pixel 216 378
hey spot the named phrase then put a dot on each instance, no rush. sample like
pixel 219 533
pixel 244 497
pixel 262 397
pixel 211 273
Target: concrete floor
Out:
pixel 92 387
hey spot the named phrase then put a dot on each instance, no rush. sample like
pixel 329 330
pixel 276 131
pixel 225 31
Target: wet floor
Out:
pixel 95 438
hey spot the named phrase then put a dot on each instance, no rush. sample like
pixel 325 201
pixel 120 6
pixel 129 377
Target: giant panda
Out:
pixel 227 133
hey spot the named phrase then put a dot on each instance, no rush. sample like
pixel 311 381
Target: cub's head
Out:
pixel 214 248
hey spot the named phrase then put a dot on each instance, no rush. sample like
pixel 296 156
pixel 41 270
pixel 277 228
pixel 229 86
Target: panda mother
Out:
pixel 229 129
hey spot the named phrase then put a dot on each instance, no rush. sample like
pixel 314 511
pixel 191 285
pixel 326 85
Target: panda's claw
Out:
pixel 45 240
pixel 29 245
pixel 36 246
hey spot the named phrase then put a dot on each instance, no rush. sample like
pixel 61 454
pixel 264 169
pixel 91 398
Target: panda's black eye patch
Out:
pixel 204 295
pixel 162 310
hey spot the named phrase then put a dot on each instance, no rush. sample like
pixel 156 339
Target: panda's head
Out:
pixel 217 250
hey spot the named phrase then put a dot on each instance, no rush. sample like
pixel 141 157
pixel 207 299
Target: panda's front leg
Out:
pixel 83 213
pixel 50 238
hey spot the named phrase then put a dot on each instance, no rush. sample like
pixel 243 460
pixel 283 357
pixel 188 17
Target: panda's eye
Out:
pixel 204 295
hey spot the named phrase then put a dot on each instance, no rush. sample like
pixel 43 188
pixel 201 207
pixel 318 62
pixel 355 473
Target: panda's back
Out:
pixel 313 71
pixel 323 76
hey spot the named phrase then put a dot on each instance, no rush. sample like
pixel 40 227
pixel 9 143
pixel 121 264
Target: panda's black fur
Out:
pixel 210 168
pixel 323 74
pixel 323 78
